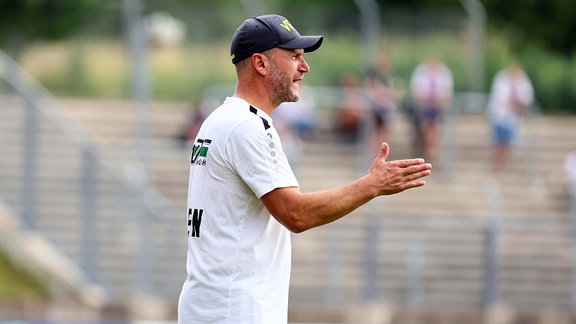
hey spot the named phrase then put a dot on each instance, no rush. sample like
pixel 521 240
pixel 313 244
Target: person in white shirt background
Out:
pixel 431 86
pixel 511 97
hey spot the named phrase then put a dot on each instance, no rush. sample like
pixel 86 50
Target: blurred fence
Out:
pixel 93 204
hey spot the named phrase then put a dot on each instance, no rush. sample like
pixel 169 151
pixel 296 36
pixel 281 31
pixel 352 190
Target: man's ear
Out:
pixel 260 63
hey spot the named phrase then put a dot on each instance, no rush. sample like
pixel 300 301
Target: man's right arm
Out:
pixel 302 211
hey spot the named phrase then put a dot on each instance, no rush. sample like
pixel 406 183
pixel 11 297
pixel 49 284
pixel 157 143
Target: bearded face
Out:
pixel 282 85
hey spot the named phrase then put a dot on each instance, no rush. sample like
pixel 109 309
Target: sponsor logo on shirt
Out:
pixel 200 151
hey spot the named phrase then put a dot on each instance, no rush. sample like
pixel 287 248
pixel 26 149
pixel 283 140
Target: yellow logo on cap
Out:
pixel 287 25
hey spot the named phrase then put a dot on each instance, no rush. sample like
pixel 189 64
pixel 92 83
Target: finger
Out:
pixel 384 151
pixel 412 162
pixel 409 185
pixel 416 172
pixel 418 175
pixel 415 184
pixel 420 168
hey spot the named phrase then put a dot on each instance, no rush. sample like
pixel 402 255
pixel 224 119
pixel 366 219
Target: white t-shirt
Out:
pixel 501 109
pixel 432 85
pixel 239 256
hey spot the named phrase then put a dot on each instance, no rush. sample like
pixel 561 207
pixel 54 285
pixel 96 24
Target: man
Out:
pixel 431 86
pixel 511 96
pixel 243 198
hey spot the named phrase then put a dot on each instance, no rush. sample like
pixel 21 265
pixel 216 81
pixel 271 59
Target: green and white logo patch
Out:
pixel 200 151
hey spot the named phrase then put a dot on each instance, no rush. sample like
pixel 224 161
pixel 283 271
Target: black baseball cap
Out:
pixel 258 34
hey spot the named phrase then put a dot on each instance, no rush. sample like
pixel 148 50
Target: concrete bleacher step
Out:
pixel 397 241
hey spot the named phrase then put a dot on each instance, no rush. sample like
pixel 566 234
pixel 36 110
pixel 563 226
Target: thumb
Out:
pixel 384 152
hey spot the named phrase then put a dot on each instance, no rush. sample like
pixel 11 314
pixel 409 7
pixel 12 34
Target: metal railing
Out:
pixel 120 230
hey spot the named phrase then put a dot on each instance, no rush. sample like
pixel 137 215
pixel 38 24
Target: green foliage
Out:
pixel 553 75
pixel 406 52
pixel 182 73
pixel 338 56
pixel 45 18
pixel 15 283
pixel 549 22
pixel 544 21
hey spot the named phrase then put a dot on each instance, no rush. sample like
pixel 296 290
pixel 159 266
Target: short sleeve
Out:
pixel 257 156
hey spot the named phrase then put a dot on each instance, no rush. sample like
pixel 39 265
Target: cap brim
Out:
pixel 308 43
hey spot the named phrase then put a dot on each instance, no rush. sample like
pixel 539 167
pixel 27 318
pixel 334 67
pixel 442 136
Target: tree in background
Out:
pixel 547 22
pixel 24 20
pixel 542 21
pixel 535 31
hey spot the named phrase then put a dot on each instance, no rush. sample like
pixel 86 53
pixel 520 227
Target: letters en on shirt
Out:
pixel 194 220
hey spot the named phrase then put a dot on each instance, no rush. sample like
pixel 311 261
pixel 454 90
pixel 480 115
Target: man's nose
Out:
pixel 304 67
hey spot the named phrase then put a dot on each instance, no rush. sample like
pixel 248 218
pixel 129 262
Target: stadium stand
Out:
pixel 69 174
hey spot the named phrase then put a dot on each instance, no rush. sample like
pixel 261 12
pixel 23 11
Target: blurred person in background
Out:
pixel 382 100
pixel 570 172
pixel 511 97
pixel 243 197
pixel 432 89
pixel 303 118
pixel 192 125
pixel 164 30
pixel 349 120
pixel 295 122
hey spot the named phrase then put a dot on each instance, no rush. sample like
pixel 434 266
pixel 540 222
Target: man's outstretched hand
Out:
pixel 390 177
